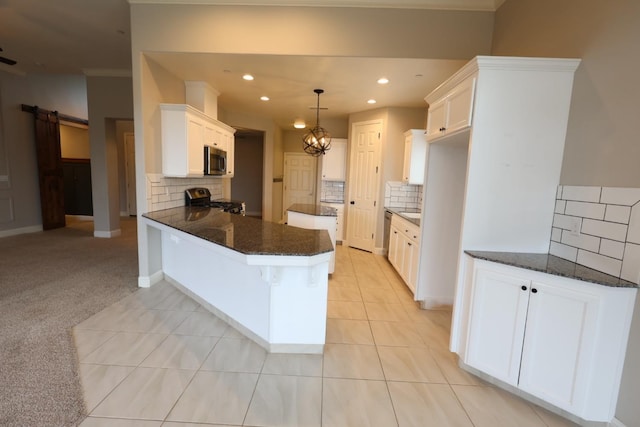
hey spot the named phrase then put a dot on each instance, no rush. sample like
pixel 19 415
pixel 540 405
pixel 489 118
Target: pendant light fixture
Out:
pixel 317 141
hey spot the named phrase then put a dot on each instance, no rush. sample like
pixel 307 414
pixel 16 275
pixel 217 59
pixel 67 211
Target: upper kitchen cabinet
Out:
pixel 334 162
pixel 450 108
pixel 492 186
pixel 185 132
pixel 415 156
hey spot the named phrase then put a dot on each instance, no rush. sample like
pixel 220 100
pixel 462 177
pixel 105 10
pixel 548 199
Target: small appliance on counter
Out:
pixel 200 196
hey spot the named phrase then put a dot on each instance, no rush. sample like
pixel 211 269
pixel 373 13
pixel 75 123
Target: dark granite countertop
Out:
pixel 313 209
pixel 401 211
pixel 250 236
pixel 551 264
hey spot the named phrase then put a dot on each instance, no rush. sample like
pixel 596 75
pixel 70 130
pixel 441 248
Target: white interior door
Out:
pixel 130 167
pixel 299 179
pixel 364 184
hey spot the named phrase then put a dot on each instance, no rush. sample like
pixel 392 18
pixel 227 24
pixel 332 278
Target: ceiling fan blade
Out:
pixel 7 61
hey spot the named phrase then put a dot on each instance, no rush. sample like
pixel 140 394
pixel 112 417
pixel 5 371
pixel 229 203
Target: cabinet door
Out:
pixel 394 237
pixel 410 264
pixel 230 143
pixel 334 162
pixel 436 119
pixel 460 108
pixel 415 156
pixel 559 344
pixel 195 146
pixel 406 165
pixel 497 323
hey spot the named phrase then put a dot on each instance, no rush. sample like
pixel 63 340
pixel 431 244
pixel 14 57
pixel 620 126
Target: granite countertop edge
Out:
pixel 313 209
pixel 551 264
pixel 251 236
pixel 399 211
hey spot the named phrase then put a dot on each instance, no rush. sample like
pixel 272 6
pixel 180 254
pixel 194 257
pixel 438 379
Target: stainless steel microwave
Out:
pixel 215 161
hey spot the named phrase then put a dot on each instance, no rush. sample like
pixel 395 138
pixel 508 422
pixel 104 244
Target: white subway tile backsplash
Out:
pixel 608 230
pixel 560 206
pixel 165 193
pixel 563 251
pixel 404 196
pixel 615 213
pixel 620 196
pixel 598 227
pixel 631 263
pixel 633 234
pixel 581 241
pixel 581 194
pixel 585 210
pixel 611 248
pixel 600 262
pixel 567 222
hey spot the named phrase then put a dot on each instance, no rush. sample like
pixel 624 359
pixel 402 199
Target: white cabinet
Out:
pixel 415 156
pixel 453 112
pixel 558 339
pixel 334 162
pixel 404 249
pixel 185 132
pixel 339 219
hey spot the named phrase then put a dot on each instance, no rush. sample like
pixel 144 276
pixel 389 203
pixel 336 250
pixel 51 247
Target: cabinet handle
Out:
pixel 524 288
pixel 442 129
pixel 534 290
pixel 408 243
pixel 395 232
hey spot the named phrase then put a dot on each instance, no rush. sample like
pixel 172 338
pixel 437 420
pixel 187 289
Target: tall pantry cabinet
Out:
pixel 495 156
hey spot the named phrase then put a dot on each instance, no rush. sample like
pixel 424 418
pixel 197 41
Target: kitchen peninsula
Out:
pixel 315 217
pixel 268 280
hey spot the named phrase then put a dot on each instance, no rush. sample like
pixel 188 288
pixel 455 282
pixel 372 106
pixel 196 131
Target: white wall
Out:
pixel 109 99
pixel 602 146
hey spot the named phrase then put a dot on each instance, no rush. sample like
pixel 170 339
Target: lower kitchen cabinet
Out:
pixel 339 220
pixel 557 339
pixel 404 250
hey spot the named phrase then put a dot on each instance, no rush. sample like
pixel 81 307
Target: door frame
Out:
pixel 130 173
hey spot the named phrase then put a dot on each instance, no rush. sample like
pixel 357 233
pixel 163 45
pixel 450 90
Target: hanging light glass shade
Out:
pixel 317 141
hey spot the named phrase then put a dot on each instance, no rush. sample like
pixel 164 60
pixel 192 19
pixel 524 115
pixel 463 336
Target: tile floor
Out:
pixel 157 358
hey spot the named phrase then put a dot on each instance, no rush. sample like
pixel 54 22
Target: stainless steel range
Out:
pixel 200 196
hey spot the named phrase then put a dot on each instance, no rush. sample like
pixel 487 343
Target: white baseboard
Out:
pixel 379 251
pixel 107 234
pixel 434 303
pixel 80 217
pixel 148 281
pixel 22 230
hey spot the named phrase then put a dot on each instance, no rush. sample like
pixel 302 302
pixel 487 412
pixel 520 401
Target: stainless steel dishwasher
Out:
pixel 387 227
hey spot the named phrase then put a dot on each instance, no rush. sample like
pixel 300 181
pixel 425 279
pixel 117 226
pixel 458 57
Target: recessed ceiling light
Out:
pixel 383 80
pixel 264 98
pixel 248 77
pixel 299 124
pixel 371 101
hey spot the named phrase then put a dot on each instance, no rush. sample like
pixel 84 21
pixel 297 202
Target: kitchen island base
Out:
pixel 280 302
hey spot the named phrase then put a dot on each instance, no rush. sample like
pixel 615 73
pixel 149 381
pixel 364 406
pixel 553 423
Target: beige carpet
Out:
pixel 49 282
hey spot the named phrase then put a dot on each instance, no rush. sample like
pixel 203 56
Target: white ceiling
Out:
pixel 92 36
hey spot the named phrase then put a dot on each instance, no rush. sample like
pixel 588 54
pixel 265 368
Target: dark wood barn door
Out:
pixel 50 172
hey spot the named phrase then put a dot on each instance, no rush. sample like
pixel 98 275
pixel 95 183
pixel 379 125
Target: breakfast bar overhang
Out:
pixel 267 280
